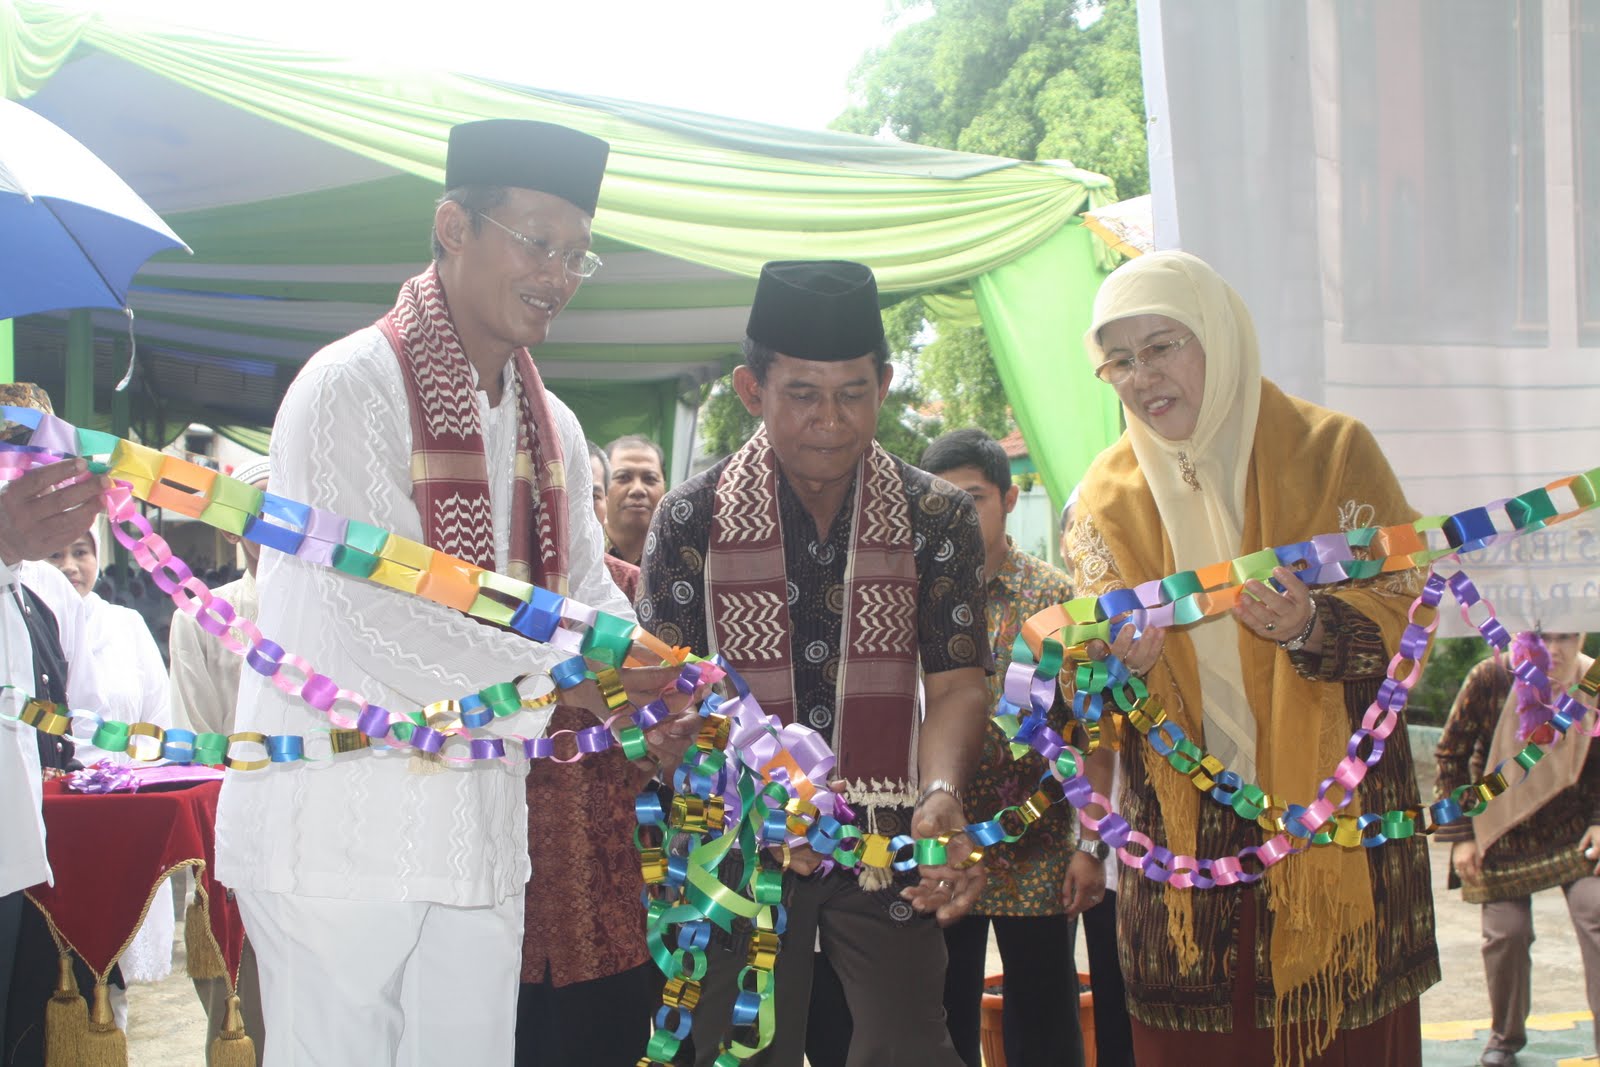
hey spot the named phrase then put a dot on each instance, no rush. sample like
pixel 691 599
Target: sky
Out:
pixel 781 61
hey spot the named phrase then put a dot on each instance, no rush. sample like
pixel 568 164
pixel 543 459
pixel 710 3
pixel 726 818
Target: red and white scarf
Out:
pixel 875 716
pixel 449 471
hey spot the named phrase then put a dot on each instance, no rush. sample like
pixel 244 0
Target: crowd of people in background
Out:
pixel 489 917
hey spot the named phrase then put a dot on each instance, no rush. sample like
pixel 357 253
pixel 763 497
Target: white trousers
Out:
pixel 348 983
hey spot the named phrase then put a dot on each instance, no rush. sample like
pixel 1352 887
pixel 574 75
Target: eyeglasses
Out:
pixel 579 262
pixel 1152 357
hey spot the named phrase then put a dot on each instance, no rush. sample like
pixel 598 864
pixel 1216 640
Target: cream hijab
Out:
pixel 1207 524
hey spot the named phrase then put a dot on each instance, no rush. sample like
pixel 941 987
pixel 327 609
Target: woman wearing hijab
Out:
pixel 1323 959
pixel 1542 834
pixel 133 688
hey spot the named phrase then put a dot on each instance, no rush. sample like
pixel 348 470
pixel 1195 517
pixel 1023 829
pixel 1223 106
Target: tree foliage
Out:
pixel 1026 79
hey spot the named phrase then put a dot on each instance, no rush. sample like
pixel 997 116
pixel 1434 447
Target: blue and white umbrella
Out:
pixel 72 233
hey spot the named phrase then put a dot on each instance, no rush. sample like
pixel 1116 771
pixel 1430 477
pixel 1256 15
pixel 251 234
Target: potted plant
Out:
pixel 992 1034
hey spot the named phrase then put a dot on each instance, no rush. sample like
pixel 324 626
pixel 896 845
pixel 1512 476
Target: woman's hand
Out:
pixel 1138 654
pixel 1464 858
pixel 1275 616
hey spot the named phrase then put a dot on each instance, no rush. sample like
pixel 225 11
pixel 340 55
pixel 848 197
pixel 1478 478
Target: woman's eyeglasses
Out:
pixel 1152 357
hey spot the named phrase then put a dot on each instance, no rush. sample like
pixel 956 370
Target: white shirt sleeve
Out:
pixel 342 442
pixel 22 855
pixel 86 689
pixel 197 700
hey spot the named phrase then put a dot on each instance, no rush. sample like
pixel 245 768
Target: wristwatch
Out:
pixel 1298 641
pixel 939 785
pixel 1098 849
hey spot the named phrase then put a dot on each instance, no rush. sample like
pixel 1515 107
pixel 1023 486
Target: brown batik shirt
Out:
pixel 951 629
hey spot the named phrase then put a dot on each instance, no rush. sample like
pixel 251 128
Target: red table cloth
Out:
pixel 110 851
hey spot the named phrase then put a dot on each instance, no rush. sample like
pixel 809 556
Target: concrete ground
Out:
pixel 166 1027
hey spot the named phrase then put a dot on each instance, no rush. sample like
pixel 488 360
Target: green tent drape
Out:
pixel 1035 316
pixel 691 208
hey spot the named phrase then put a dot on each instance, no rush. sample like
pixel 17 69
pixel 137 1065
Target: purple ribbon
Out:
pixel 103 777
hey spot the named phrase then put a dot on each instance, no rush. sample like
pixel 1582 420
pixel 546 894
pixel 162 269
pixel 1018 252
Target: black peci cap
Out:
pixel 524 154
pixel 822 310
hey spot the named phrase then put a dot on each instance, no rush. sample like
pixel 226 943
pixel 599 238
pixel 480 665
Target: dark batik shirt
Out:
pixel 951 629
pixel 1543 851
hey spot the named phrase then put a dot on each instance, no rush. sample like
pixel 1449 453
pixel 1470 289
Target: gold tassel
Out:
pixel 424 763
pixel 199 947
pixel 66 1019
pixel 232 1047
pixel 873 879
pixel 104 1045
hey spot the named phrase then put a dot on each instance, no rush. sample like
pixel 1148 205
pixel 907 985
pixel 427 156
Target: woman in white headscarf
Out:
pixel 133 686
pixel 1322 961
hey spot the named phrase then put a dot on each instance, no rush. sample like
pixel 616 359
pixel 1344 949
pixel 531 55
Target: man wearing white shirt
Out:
pixel 37 514
pixel 383 893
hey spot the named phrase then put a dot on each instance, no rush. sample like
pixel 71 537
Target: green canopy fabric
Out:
pixel 305 185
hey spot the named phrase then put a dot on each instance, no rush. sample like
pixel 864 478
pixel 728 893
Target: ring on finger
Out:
pixel 1271 626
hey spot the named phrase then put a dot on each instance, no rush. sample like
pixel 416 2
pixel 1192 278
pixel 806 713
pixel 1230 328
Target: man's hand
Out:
pixel 946 891
pixel 668 739
pixel 1084 884
pixel 1464 858
pixel 1590 843
pixel 803 859
pixel 47 509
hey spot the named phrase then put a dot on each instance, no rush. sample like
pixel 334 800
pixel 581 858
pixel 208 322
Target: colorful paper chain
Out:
pixel 321 537
pixel 1298 827
pixel 1189 596
pixel 794 755
pixel 792 803
pixel 356 723
pixel 206 493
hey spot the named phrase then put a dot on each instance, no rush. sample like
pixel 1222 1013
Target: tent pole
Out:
pixel 79 400
pixel 121 423
pixel 8 359
pixel 667 427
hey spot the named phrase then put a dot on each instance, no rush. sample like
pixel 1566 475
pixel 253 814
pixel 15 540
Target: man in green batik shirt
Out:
pixel 1038 886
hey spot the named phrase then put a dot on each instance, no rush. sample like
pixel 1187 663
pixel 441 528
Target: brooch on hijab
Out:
pixel 1190 478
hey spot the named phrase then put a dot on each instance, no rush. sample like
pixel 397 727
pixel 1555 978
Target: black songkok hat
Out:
pixel 524 154
pixel 823 310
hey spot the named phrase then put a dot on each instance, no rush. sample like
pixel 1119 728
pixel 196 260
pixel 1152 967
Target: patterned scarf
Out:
pixel 747 608
pixel 449 472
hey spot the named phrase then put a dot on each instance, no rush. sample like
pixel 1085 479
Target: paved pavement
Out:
pixel 166 1027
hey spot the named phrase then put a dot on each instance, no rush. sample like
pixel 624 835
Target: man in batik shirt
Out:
pixel 1039 885
pixel 823 569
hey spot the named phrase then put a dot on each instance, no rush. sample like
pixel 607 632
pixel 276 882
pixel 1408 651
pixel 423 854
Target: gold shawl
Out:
pixel 1306 471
